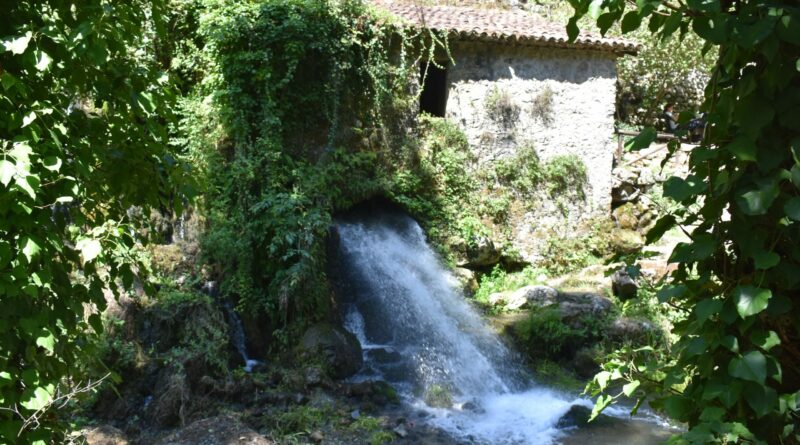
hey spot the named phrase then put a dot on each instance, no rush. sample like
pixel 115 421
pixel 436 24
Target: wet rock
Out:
pixel 466 279
pixel 317 436
pixel 400 431
pixel 313 376
pixel 377 392
pixel 578 415
pixel 339 349
pixel 584 364
pixel 104 435
pixel 218 430
pixel 625 241
pixel 623 286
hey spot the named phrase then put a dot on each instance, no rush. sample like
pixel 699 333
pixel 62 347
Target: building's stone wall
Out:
pixel 583 87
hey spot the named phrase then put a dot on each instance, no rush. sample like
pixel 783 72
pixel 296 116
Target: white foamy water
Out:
pixel 421 335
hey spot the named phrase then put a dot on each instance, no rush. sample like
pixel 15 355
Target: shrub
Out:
pixel 542 106
pixel 501 107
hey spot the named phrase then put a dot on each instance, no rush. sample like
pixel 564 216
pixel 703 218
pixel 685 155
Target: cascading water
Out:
pixel 238 338
pixel 420 334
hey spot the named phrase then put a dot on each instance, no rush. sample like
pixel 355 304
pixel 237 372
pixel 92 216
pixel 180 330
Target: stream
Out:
pixel 420 334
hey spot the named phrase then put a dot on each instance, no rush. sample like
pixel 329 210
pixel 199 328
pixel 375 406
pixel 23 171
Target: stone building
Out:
pixel 515 81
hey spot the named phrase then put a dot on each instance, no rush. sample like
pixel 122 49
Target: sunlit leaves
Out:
pixel 19 44
pixel 751 366
pixel 751 300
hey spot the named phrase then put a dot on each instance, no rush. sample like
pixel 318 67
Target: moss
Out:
pixel 438 396
pixel 501 108
pixel 381 437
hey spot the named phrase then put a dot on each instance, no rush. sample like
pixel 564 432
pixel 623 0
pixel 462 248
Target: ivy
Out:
pixel 732 374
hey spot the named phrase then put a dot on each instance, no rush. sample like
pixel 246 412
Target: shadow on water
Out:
pixel 420 334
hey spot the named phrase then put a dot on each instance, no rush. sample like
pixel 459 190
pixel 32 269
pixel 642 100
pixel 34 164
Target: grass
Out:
pixel 499 280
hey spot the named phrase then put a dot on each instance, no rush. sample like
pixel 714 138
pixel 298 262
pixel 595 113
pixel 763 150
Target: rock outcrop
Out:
pixel 338 349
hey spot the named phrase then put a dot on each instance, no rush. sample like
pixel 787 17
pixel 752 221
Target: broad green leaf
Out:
pixel 706 308
pixel 704 5
pixel 18 45
pixel 7 171
pixel 669 292
pixel 52 163
pixel 643 140
pixel 630 22
pixel 602 378
pixel 750 300
pixel 743 148
pixel 47 341
pixel 660 228
pixel 756 200
pixel 765 340
pixel 36 398
pixel 766 260
pixel 630 388
pixel 595 8
pixel 89 249
pixel 751 366
pixel 30 249
pixel 730 343
pixel 599 405
pixel 762 399
pixel 678 407
pixel 43 61
pixel 681 189
pixel 792 208
pixel 28 119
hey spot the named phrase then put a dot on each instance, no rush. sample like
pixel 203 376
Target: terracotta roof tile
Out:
pixel 500 25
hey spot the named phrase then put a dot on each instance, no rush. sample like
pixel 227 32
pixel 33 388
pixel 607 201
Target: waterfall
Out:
pixel 420 334
pixel 238 338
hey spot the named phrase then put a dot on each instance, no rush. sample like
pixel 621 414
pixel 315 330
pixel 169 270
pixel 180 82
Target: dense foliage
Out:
pixel 83 142
pixel 733 374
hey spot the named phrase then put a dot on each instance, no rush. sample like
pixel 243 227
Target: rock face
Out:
pixel 339 349
pixel 623 286
pixel 220 430
pixel 482 253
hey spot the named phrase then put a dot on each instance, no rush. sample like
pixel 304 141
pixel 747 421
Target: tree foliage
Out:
pixel 733 374
pixel 82 141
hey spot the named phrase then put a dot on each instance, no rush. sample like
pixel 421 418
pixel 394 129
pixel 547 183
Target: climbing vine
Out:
pixel 733 374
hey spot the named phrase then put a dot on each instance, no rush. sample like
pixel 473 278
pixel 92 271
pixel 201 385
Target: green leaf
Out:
pixel 89 249
pixel 28 119
pixel 751 300
pixel 743 148
pixel 631 22
pixel 642 140
pixel 599 405
pixel 704 5
pixel 751 367
pixel 630 388
pixel 762 399
pixel 7 171
pixel 730 343
pixel 678 407
pixel 669 292
pixel 792 208
pixel 765 340
pixel 18 45
pixel 660 228
pixel 43 61
pixel 46 340
pixel 766 260
pixel 37 398
pixel 706 308
pixel 30 248
pixel 756 200
pixel 602 378
pixel 681 189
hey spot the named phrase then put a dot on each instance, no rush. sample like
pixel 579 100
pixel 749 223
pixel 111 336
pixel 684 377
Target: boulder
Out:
pixel 631 330
pixel 338 349
pixel 220 430
pixel 576 305
pixel 535 296
pixel 623 286
pixel 578 417
pixel 482 253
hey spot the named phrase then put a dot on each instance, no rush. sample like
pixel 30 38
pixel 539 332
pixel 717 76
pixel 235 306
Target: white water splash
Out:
pixel 418 333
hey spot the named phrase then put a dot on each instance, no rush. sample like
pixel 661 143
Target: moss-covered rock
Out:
pixel 338 349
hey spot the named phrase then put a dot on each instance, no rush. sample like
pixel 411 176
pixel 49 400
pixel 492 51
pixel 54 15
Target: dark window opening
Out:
pixel 433 99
